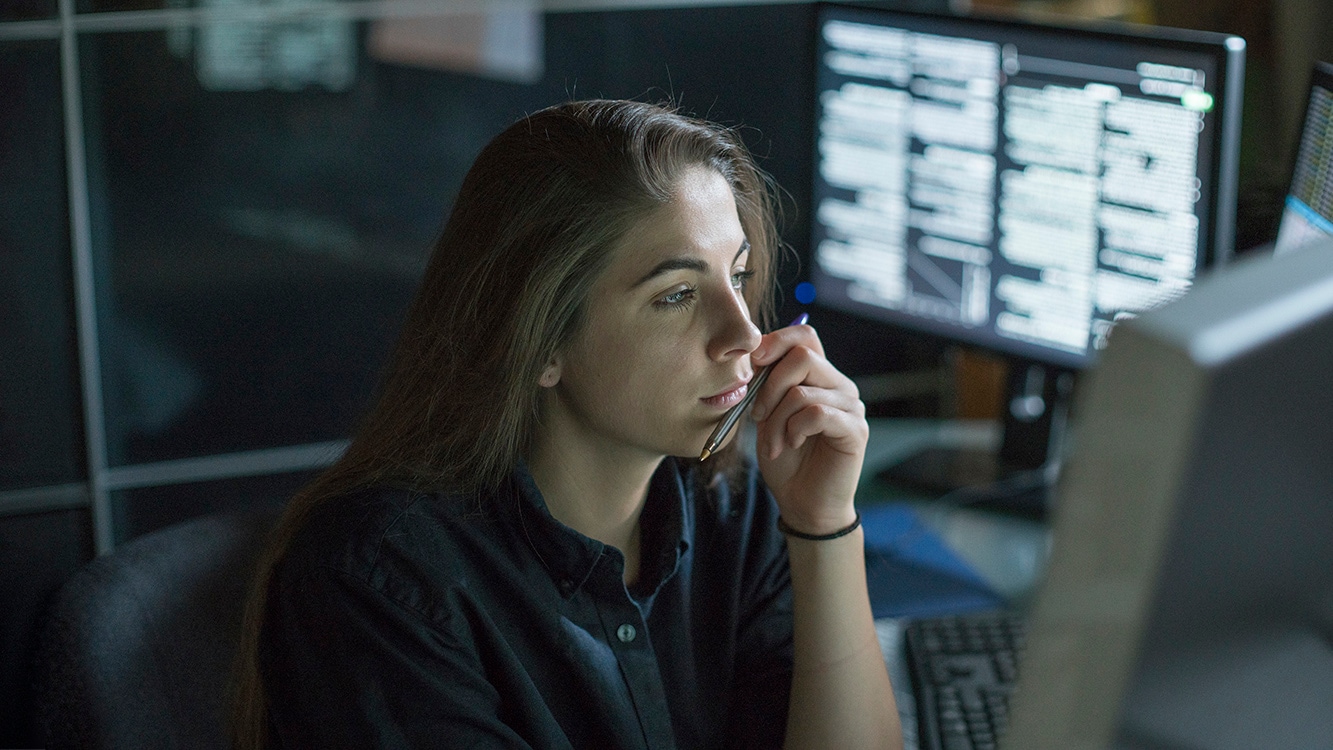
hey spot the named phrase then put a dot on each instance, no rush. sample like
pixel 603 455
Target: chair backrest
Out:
pixel 137 650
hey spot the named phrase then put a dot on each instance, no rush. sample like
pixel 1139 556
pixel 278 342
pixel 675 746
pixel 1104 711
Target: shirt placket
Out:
pixel 626 629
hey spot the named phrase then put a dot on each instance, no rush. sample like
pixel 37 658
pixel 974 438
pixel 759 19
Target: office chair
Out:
pixel 137 649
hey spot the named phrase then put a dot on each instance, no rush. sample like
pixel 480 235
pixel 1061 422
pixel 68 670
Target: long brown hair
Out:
pixel 506 287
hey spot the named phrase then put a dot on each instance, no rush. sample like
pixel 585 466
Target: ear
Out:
pixel 551 374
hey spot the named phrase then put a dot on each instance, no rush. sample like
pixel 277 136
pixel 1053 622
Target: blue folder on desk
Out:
pixel 911 572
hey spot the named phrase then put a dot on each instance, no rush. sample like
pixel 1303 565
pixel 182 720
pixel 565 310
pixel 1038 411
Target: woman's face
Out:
pixel 666 347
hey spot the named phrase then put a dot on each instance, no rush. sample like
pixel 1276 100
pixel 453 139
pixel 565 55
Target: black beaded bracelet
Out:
pixel 789 531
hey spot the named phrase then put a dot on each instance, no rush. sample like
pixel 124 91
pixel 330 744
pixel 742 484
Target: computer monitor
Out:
pixel 1188 599
pixel 1018 187
pixel 1307 214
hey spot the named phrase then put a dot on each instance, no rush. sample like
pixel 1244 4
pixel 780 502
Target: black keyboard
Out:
pixel 963 669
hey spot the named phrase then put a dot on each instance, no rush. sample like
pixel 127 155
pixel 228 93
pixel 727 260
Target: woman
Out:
pixel 511 553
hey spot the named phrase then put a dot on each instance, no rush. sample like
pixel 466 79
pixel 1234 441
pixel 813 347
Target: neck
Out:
pixel 597 490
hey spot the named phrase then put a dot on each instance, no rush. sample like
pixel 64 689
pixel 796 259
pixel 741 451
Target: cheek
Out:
pixel 635 370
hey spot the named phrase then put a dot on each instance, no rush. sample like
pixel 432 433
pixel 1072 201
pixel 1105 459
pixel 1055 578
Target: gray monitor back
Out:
pixel 1189 598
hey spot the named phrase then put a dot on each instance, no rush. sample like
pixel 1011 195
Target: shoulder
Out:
pixel 407 546
pixel 344 532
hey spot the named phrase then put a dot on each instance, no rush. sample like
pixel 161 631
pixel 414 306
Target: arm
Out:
pixel 811 442
pixel 841 696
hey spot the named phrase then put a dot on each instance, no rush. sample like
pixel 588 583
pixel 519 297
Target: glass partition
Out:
pixel 27 10
pixel 40 408
pixel 140 511
pixel 264 194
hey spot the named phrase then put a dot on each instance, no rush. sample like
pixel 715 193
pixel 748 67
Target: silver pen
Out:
pixel 733 414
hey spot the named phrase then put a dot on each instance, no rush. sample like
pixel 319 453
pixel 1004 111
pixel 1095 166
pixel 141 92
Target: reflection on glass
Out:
pixel 140 511
pixel 40 410
pixel 27 10
pixel 260 217
pixel 289 56
pixel 257 248
pixel 94 6
pixel 504 42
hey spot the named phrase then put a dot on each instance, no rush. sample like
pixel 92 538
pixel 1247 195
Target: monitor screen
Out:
pixel 1015 186
pixel 1307 215
pixel 1188 600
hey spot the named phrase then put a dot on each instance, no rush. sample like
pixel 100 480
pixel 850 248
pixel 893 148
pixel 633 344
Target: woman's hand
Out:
pixel 811 429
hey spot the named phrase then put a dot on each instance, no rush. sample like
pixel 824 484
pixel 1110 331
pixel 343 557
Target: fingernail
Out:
pixel 801 319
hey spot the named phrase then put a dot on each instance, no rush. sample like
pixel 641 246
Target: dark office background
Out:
pixel 211 332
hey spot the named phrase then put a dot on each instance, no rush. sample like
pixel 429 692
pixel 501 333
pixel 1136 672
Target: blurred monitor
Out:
pixel 1307 214
pixel 1188 601
pixel 1019 188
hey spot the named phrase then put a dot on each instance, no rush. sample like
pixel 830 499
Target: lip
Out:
pixel 729 397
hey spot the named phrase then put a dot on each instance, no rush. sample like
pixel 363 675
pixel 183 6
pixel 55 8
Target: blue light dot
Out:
pixel 805 292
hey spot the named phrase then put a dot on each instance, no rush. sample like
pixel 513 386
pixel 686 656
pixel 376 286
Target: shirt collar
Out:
pixel 570 557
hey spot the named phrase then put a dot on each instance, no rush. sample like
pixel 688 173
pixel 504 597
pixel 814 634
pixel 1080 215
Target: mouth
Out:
pixel 728 398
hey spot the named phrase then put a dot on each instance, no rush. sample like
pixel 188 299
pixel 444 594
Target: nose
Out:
pixel 733 333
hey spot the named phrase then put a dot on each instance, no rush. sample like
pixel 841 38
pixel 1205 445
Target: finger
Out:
pixel 800 366
pixel 779 430
pixel 802 396
pixel 841 429
pixel 776 344
pixel 836 429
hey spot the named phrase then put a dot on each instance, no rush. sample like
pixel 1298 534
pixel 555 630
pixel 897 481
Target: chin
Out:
pixel 687 448
pixel 688 441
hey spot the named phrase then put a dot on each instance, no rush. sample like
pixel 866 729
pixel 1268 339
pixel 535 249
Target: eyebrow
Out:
pixel 685 264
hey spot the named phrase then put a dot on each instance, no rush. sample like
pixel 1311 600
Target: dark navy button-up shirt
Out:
pixel 402 619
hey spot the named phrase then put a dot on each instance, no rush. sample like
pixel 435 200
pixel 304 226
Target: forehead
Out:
pixel 700 221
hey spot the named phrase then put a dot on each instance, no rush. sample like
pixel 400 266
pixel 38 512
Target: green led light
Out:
pixel 1199 101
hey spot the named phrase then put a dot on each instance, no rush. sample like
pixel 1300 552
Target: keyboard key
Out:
pixel 963 669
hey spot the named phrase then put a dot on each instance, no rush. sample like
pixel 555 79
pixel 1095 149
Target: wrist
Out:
pixel 819 532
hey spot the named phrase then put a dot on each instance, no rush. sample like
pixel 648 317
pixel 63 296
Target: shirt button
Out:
pixel 626 633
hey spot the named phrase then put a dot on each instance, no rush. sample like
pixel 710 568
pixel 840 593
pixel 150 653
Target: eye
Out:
pixel 739 278
pixel 680 298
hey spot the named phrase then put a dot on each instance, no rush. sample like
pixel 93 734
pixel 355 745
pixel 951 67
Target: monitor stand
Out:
pixel 1020 477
